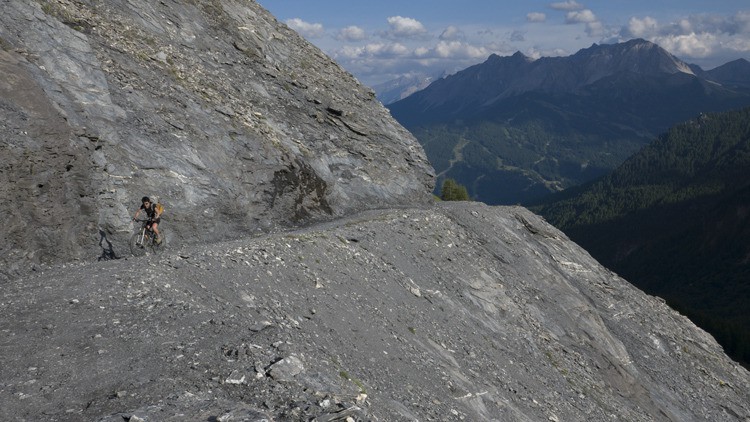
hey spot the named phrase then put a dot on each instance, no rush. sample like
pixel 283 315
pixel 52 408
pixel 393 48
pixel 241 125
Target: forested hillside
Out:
pixel 673 219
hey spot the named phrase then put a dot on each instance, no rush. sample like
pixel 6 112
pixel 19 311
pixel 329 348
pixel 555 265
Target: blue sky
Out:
pixel 383 39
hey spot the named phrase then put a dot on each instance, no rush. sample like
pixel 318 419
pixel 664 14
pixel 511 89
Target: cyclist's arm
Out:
pixel 137 213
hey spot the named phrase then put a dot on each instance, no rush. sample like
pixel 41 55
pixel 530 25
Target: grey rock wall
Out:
pixel 228 117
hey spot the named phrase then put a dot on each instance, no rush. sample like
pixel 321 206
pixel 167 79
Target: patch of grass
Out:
pixel 66 16
pixel 356 381
pixel 141 55
pixel 5 45
pixel 48 8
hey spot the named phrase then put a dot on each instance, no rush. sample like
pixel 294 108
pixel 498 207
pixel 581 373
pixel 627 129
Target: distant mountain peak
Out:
pixel 735 73
pixel 637 56
pixel 517 57
pixel 502 77
pixel 405 85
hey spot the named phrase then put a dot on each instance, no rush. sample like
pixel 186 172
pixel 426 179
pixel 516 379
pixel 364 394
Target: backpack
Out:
pixel 159 208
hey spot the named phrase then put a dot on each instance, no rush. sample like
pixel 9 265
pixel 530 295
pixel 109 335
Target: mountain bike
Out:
pixel 144 240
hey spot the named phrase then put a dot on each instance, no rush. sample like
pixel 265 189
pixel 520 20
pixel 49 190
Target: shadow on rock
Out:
pixel 108 251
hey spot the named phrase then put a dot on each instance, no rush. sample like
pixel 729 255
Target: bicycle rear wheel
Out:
pixel 136 247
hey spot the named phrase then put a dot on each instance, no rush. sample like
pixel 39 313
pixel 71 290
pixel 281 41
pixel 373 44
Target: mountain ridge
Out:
pixel 534 127
pixel 734 73
pixel 503 77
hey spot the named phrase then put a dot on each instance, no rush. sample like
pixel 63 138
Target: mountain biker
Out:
pixel 153 214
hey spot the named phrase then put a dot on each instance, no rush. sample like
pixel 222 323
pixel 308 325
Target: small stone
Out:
pixel 235 378
pixel 286 369
pixel 160 57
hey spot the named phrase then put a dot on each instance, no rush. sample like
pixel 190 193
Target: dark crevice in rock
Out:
pixel 299 187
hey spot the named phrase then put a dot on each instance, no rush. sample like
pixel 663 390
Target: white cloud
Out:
pixel 594 28
pixel 641 28
pixel 386 50
pixel 401 27
pixel 691 45
pixel 349 52
pixel 738 45
pixel 707 39
pixel 405 45
pixel 452 33
pixel 421 51
pixel 459 50
pixel 351 34
pixel 737 24
pixel 729 26
pixel 373 51
pixel 442 50
pixel 566 5
pixel 536 17
pixel 583 16
pixel 742 20
pixel 307 30
pixel 518 36
pixel 379 61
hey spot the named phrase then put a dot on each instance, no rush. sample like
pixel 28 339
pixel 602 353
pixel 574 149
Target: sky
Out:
pixel 381 40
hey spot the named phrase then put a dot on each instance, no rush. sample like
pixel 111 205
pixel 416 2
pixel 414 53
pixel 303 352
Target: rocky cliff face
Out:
pixel 455 312
pixel 228 117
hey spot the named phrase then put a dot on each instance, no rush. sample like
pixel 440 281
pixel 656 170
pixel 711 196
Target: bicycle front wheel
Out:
pixel 136 246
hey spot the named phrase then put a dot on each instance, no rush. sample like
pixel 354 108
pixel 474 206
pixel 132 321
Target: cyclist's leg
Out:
pixel 155 228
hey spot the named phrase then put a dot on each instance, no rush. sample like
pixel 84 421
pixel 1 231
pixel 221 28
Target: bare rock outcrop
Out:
pixel 228 117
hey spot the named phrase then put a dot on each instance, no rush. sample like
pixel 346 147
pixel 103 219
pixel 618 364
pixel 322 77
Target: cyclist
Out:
pixel 153 214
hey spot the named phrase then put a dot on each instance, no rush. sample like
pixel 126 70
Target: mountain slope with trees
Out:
pixel 673 220
pixel 514 129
